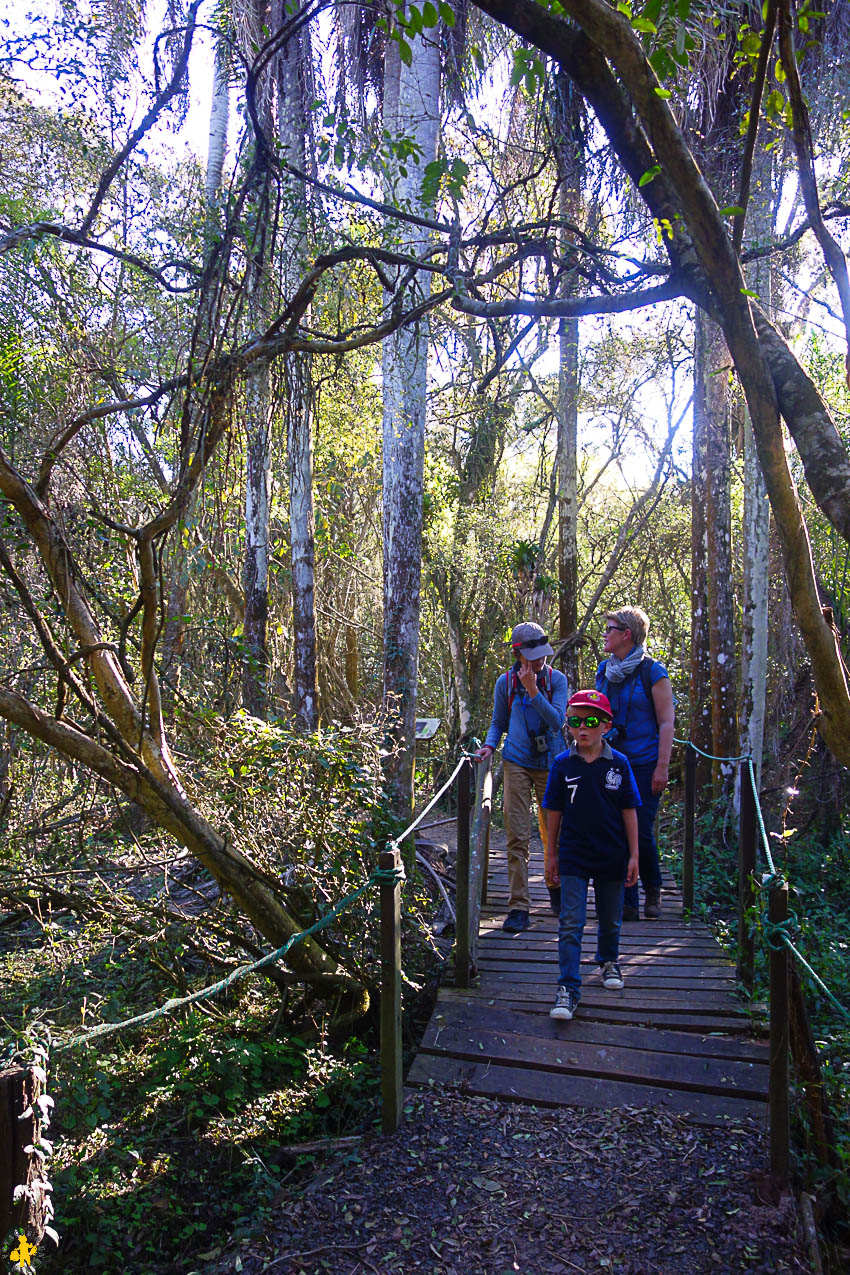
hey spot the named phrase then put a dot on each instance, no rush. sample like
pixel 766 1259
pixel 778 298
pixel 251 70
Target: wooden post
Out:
pixel 479 855
pixel 747 832
pixel 808 1069
pixel 19 1089
pixel 778 1096
pixel 462 879
pixel 391 1088
pixel 690 828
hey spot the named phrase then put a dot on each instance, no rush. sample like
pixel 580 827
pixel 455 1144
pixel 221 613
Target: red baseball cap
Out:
pixel 591 699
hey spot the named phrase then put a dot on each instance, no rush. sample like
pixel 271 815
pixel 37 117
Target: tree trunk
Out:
pixel 130 750
pixel 568 158
pixel 721 636
pixel 294 74
pixel 174 630
pixel 255 572
pixel 405 369
pixel 756 538
pixel 700 670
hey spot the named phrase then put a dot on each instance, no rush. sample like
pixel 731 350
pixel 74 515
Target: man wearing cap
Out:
pixel 529 704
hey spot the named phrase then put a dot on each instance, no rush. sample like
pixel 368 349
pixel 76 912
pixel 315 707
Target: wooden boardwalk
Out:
pixel 676 1037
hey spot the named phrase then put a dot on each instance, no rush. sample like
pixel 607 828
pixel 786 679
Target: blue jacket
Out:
pixel 529 718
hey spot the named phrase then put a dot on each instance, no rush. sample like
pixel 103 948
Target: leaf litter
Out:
pixel 472 1186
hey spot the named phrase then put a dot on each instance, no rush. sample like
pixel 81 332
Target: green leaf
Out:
pixel 649 175
pixel 447 13
pixel 404 52
pixel 733 210
pixel 662 93
pixel 430 17
pixel 645 26
pixel 747 293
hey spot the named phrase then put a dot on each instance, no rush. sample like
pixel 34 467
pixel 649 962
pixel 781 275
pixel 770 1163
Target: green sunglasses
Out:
pixel 591 721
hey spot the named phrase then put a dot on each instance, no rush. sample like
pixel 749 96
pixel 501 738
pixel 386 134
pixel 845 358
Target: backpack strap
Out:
pixel 645 677
pixel 644 671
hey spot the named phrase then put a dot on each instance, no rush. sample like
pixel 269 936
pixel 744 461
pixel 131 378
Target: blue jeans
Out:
pixel 648 867
pixel 609 912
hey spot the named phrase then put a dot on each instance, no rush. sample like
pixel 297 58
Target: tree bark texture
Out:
pixel 255 574
pixel 718 513
pixel 568 157
pixel 405 369
pixel 700 667
pixel 294 76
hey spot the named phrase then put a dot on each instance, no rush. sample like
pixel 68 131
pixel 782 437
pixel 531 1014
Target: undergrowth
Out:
pixel 815 862
pixel 172 1138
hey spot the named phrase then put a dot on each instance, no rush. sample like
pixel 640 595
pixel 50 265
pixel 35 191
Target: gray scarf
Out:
pixel 617 670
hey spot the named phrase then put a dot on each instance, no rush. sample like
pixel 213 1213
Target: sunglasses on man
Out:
pixel 592 720
pixel 531 642
pixel 615 628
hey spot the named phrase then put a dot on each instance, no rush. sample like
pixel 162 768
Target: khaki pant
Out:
pixel 519 783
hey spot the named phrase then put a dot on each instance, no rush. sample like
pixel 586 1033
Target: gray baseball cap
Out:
pixel 531 641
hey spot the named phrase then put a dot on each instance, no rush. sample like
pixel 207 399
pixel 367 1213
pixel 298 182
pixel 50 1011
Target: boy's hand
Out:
pixel 632 872
pixel 551 875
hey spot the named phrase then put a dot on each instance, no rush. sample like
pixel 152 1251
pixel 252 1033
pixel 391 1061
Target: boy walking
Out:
pixel 591 802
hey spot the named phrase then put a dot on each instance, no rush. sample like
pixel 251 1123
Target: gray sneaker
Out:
pixel 566 1004
pixel 611 976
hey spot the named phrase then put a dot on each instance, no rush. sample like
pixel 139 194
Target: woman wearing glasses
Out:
pixel 641 697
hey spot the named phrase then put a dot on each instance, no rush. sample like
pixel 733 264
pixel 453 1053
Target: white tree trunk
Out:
pixel 700 670
pixel 756 533
pixel 756 520
pixel 255 572
pixel 568 334
pixel 405 368
pixel 294 73
pixel 255 569
pixel 219 119
pixel 724 687
pixel 174 631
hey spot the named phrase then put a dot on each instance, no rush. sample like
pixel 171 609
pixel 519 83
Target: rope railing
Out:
pixel 377 876
pixel 777 925
pixel 772 876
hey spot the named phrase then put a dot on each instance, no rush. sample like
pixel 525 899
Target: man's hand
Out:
pixel 632 871
pixel 551 875
pixel 483 753
pixel 528 677
pixel 660 777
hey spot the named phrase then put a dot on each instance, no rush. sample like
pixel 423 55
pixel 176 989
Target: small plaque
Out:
pixel 427 727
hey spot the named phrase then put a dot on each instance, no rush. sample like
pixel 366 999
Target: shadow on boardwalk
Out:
pixel 676 1038
pixel 633 1141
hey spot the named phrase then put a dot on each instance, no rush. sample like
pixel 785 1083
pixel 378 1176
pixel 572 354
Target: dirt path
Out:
pixel 473 1187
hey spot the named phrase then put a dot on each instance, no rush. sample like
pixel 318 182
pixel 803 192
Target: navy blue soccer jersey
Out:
pixel 591 797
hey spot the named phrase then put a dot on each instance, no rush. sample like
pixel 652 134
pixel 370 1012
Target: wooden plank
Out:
pixel 624 1015
pixel 675 1037
pixel 688 997
pixel 563 1052
pixel 474 1015
pixel 546 1089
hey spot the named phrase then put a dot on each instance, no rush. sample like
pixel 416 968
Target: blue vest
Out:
pixel 635 732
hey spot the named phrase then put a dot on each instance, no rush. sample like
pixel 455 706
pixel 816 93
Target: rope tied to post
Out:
pixel 777 933
pixel 376 876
